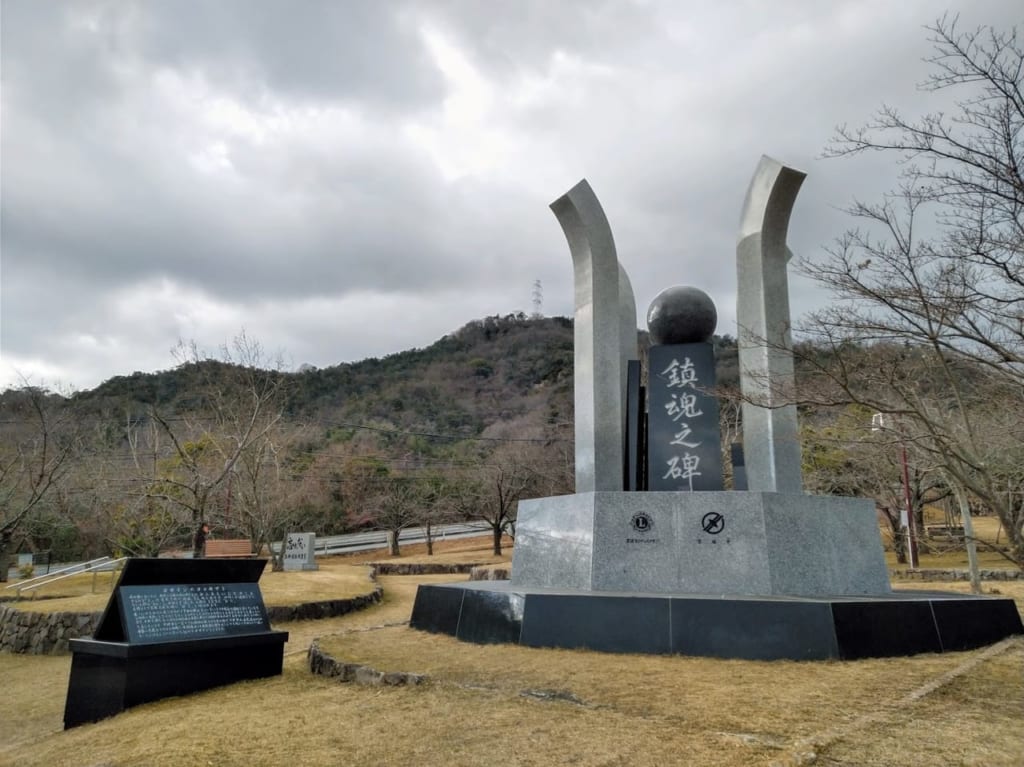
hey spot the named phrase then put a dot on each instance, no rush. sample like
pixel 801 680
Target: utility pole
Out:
pixel 910 508
pixel 538 300
pixel 878 422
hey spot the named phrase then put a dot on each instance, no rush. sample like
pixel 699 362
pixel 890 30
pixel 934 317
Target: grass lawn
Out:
pixel 509 705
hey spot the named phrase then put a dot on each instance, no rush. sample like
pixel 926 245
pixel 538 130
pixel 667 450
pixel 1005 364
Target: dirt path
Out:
pixel 395 609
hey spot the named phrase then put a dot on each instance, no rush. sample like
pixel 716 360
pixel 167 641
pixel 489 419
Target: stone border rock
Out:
pixel 323 664
pixel 958 575
pixel 330 608
pixel 35 633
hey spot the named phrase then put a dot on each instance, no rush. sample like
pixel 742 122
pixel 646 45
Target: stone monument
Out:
pixel 299 551
pixel 173 627
pixel 684 566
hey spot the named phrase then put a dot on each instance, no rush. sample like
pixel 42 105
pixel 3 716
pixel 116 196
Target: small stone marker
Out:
pixel 298 551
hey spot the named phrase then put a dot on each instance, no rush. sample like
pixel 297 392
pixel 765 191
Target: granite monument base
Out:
pixel 109 677
pixel 755 628
pixel 712 542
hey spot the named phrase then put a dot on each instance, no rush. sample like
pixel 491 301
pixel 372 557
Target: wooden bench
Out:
pixel 945 532
pixel 240 548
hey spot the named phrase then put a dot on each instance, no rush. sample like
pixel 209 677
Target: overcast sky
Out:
pixel 345 179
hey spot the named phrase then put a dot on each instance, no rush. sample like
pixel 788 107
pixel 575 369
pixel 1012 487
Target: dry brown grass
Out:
pixel 336 579
pixel 633 710
pixel 1012 589
pixel 458 551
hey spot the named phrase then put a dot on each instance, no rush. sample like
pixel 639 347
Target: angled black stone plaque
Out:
pixel 173 627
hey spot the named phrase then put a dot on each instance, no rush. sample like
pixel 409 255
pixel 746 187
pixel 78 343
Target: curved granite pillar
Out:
pixel 771 443
pixel 604 299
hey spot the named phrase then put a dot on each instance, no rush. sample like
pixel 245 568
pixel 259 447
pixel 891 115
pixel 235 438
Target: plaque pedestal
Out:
pixel 109 677
pixel 173 627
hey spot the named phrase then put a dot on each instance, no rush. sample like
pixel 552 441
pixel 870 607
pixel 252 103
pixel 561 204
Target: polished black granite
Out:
pixel 758 628
pixel 109 677
pixel 607 623
pixel 173 627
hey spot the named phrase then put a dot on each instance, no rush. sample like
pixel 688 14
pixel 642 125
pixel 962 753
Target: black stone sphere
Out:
pixel 681 315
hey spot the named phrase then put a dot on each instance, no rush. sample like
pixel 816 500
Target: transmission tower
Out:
pixel 538 300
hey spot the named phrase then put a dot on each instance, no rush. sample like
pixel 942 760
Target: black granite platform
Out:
pixel 173 627
pixel 754 628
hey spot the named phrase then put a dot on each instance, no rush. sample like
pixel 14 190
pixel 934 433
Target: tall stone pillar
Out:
pixel 771 439
pixel 604 337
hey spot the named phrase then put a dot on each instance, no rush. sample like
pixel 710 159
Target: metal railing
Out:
pixel 95 566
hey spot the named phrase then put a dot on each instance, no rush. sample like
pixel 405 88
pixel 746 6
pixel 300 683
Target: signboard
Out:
pixel 683 437
pixel 175 612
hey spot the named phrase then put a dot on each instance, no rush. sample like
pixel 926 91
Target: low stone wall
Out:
pixel 421 568
pixel 35 633
pixel 330 608
pixel 323 664
pixel 958 575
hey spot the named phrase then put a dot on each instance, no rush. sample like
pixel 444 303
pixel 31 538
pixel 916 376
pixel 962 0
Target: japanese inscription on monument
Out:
pixel 683 437
pixel 191 611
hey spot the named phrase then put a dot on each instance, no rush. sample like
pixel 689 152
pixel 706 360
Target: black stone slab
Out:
pixel 109 677
pixel 173 612
pixel 967 625
pixel 795 628
pixel 633 480
pixel 753 629
pixel 739 466
pixel 173 627
pixel 606 623
pixel 873 628
pixel 437 609
pixel 154 572
pixel 684 450
pixel 490 618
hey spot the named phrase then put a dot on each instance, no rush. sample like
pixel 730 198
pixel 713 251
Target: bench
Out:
pixel 240 548
pixel 945 532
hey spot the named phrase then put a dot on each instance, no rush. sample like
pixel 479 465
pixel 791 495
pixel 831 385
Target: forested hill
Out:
pixel 492 373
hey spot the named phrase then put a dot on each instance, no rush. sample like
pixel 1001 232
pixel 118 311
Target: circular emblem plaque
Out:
pixel 712 523
pixel 642 522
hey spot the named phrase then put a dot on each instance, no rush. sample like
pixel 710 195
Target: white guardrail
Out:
pixel 378 539
pixel 94 566
pixel 333 544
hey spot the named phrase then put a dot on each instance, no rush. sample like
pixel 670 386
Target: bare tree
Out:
pixel 928 324
pixel 264 495
pixel 848 456
pixel 39 440
pixel 512 472
pixel 240 403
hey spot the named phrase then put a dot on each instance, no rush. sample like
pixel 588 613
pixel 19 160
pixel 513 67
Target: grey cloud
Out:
pixel 665 108
pixel 357 51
